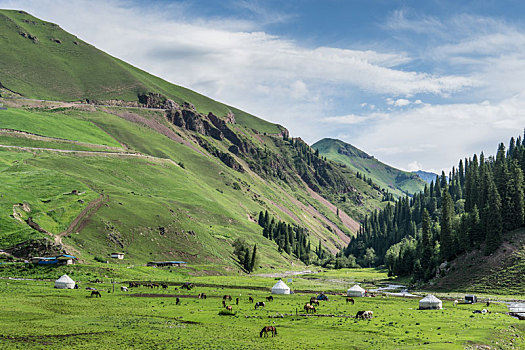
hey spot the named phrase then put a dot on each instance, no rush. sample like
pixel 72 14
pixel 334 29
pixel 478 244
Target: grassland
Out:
pixel 36 316
pixel 75 70
pixel 398 182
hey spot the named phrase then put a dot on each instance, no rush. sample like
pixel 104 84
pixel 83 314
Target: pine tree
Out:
pixel 427 245
pixel 517 195
pixel 447 236
pixel 253 260
pixel 493 225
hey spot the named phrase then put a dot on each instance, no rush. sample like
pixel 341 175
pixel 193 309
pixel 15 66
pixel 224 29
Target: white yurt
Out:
pixel 65 282
pixel 280 288
pixel 430 302
pixel 355 291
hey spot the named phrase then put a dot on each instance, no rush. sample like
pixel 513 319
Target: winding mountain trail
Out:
pixel 92 153
pixel 80 221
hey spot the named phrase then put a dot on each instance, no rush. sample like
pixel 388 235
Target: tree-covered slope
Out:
pixel 398 182
pixel 40 60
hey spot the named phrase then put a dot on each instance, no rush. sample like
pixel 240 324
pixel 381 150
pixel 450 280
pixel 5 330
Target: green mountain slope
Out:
pixel 398 182
pixel 170 181
pixel 40 60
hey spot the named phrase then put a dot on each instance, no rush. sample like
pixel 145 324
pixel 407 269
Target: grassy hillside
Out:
pixel 500 273
pixel 163 196
pixel 75 70
pixel 397 182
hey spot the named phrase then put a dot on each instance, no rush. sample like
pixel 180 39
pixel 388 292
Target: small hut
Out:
pixel 430 302
pixel 117 256
pixel 356 291
pixel 280 288
pixel 65 282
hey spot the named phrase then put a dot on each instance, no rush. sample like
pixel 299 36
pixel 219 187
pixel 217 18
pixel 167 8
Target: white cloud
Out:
pixel 401 102
pixel 439 135
pixel 414 166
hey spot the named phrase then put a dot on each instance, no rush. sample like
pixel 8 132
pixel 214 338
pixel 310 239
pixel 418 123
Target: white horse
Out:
pixel 456 302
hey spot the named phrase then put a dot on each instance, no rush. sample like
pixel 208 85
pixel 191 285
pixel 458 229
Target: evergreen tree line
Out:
pixel 291 239
pixel 247 257
pixel 479 201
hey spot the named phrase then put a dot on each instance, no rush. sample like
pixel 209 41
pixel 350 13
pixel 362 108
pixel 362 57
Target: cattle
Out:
pixel 250 299
pixel 202 296
pixel 259 304
pixel 164 286
pixel 227 297
pixel 316 302
pixel 124 289
pixel 456 302
pixel 229 308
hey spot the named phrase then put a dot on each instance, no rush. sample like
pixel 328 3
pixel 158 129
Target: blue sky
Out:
pixel 418 84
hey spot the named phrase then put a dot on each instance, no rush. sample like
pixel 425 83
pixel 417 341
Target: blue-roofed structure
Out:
pixel 64 259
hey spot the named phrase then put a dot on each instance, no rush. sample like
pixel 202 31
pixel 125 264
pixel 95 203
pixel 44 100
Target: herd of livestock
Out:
pixel 309 307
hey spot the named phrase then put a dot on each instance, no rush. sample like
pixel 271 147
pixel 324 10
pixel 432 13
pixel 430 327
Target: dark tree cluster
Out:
pixel 470 209
pixel 247 257
pixel 291 239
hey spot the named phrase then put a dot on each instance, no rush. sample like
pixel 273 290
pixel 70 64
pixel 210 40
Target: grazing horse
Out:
pixel 250 299
pixel 177 301
pixel 237 301
pixel 96 293
pixel 456 302
pixel 267 329
pixel 350 300
pixel 364 315
pixel 259 304
pixel 229 308
pixel 227 297
pixel 309 307
pixel 270 298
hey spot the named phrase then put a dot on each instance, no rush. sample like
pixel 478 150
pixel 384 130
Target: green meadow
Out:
pixel 37 316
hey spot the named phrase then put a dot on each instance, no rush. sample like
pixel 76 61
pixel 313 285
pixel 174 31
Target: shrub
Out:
pixel 226 313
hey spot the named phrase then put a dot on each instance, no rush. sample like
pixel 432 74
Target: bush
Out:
pixel 226 313
pixel 101 260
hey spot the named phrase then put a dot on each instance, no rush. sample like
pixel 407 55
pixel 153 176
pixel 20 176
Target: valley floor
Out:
pixel 37 316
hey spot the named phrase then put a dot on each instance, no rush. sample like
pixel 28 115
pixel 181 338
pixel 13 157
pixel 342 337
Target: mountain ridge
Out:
pixel 398 182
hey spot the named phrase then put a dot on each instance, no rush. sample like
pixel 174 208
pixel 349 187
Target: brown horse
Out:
pixel 350 300
pixel 270 329
pixel 96 293
pixel 270 298
pixel 250 299
pixel 309 308
pixel 227 297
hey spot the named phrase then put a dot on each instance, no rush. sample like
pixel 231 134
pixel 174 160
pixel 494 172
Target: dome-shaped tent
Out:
pixel 65 282
pixel 430 302
pixel 355 291
pixel 280 288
